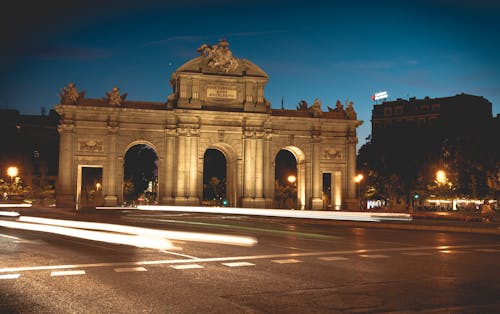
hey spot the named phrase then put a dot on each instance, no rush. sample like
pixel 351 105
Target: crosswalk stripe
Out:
pixel 10 276
pixel 129 269
pixel 333 258
pixel 238 264
pixel 286 261
pixel 67 273
pixel 374 256
pixel 187 266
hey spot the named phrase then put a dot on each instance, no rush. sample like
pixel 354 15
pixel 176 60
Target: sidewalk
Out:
pixel 429 221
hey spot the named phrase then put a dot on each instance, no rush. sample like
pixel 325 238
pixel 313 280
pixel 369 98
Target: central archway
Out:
pixel 226 165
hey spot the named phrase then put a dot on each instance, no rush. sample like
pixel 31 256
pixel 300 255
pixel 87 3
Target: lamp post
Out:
pixel 291 180
pixel 358 180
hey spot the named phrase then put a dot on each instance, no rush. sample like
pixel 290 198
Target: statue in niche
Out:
pixel 114 97
pixel 350 113
pixel 316 108
pixel 69 94
pixel 220 58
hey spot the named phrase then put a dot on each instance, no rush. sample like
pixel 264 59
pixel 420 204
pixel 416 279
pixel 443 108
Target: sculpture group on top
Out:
pixel 220 58
pixel 114 97
pixel 316 111
pixel 69 94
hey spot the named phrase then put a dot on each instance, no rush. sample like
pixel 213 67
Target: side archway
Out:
pixel 140 174
pixel 293 178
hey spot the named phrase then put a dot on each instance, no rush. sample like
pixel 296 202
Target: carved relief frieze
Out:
pixel 91 146
pixel 332 153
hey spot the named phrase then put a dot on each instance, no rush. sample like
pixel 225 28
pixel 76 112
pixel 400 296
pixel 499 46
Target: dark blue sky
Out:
pixel 309 49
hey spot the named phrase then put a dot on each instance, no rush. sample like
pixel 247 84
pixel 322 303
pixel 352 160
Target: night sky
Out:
pixel 309 49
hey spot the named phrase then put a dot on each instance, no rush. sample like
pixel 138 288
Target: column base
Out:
pixel 187 201
pixel 248 202
pixel 351 204
pixel 167 200
pixel 110 200
pixel 316 203
pixel 65 201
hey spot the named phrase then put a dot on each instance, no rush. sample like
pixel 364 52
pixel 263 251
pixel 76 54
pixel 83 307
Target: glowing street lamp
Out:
pixel 358 180
pixel 292 179
pixel 441 177
pixel 12 172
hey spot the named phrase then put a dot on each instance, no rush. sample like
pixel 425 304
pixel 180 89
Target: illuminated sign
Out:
pixel 381 95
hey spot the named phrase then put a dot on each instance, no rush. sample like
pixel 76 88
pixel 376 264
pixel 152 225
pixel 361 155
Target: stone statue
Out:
pixel 339 108
pixel 316 108
pixel 69 94
pixel 220 58
pixel 114 97
pixel 302 105
pixel 350 113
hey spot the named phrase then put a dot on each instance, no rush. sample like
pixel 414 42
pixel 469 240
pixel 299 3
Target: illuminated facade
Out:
pixel 217 103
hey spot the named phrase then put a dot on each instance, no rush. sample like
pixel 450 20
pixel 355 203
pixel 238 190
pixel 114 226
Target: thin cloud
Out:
pixel 74 53
pixel 198 38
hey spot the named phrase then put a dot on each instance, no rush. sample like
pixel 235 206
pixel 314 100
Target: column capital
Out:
pixel 66 128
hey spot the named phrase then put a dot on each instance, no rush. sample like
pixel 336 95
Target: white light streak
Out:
pixel 16 205
pixel 9 214
pixel 238 264
pixel 313 214
pixel 133 240
pixel 188 266
pixel 286 261
pixel 146 232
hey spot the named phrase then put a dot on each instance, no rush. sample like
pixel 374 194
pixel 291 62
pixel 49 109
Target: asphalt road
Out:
pixel 296 266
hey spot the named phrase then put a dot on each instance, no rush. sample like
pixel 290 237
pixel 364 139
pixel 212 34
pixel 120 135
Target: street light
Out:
pixel 292 179
pixel 441 177
pixel 12 172
pixel 358 180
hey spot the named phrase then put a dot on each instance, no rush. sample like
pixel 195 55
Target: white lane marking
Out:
pixel 238 264
pixel 286 261
pixel 416 253
pixel 10 276
pixel 488 250
pixel 129 269
pixel 333 258
pixel 67 273
pixel 230 258
pixel 179 254
pixel 374 256
pixel 187 266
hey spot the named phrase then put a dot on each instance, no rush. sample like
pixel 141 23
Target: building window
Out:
pixel 398 110
pixel 425 108
pixel 388 111
pixel 436 107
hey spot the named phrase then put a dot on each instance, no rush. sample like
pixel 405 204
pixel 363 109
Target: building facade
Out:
pixel 218 102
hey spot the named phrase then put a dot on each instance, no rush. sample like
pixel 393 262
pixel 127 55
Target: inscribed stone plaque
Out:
pixel 225 92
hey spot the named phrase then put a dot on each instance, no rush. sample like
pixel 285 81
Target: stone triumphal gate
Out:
pixel 217 103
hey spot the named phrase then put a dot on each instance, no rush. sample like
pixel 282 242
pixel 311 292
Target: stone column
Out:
pixel 187 173
pixel 268 177
pixel 169 175
pixel 66 177
pixel 259 201
pixel 248 168
pixel 351 202
pixel 109 185
pixel 317 180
